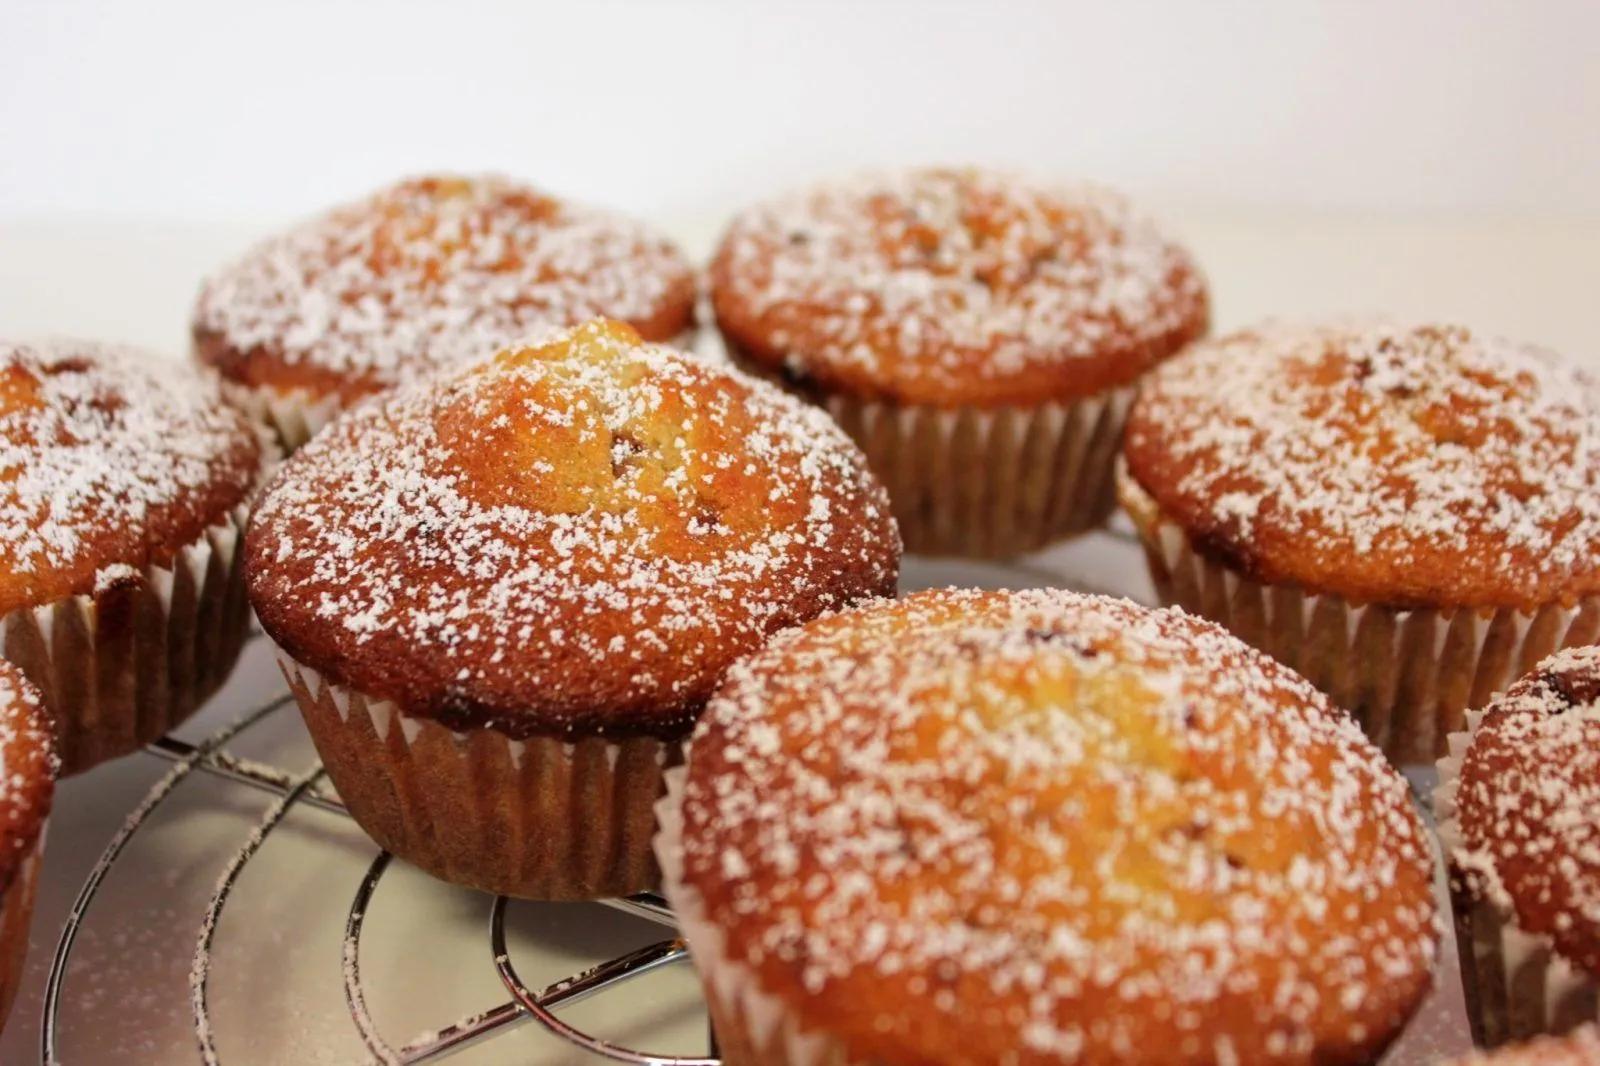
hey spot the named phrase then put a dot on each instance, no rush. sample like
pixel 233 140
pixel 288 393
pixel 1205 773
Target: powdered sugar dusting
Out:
pixel 1066 827
pixel 99 449
pixel 940 279
pixel 1530 786
pixel 1424 456
pixel 28 766
pixel 436 271
pixel 594 528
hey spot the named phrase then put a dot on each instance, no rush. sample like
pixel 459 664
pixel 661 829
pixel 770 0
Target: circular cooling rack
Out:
pixel 86 1000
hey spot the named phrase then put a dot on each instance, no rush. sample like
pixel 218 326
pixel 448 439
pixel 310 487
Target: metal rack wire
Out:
pixel 211 757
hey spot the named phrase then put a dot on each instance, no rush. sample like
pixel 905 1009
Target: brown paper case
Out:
pixel 753 1028
pixel 540 818
pixel 1516 985
pixel 291 416
pixel 1408 676
pixel 16 911
pixel 995 483
pixel 983 483
pixel 122 665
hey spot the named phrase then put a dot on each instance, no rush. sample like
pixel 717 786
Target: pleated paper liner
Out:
pixel 541 818
pixel 291 416
pixel 997 483
pixel 1517 985
pixel 752 1027
pixel 1408 676
pixel 977 482
pixel 16 912
pixel 122 665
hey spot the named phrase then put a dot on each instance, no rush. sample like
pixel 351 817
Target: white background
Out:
pixel 201 110
pixel 1437 159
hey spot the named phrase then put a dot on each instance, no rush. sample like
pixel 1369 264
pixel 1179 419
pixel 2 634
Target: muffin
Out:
pixel 1407 515
pixel 1516 803
pixel 1035 827
pixel 429 272
pixel 1581 1047
pixel 27 783
pixel 123 492
pixel 503 595
pixel 977 335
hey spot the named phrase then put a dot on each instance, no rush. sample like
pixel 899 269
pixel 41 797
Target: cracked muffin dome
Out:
pixel 952 287
pixel 574 538
pixel 1039 827
pixel 1529 783
pixel 429 272
pixel 1408 466
pixel 108 463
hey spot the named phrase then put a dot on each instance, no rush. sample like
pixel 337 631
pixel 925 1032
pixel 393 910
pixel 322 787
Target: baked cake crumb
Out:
pixel 575 536
pixel 1405 465
pixel 108 462
pixel 1048 827
pixel 431 272
pixel 1528 790
pixel 955 287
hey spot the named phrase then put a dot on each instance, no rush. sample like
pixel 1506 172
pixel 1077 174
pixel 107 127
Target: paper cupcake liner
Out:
pixel 752 1027
pixel 292 416
pixel 16 912
pixel 122 665
pixel 985 483
pixel 1516 984
pixel 1408 676
pixel 540 818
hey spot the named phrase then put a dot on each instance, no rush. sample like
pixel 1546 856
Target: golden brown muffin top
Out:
pixel 1034 827
pixel 28 767
pixel 429 272
pixel 109 461
pixel 1580 1047
pixel 1410 466
pixel 1526 803
pixel 573 538
pixel 955 287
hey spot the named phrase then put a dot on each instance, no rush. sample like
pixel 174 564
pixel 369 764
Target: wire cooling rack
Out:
pixel 1106 562
pixel 212 757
